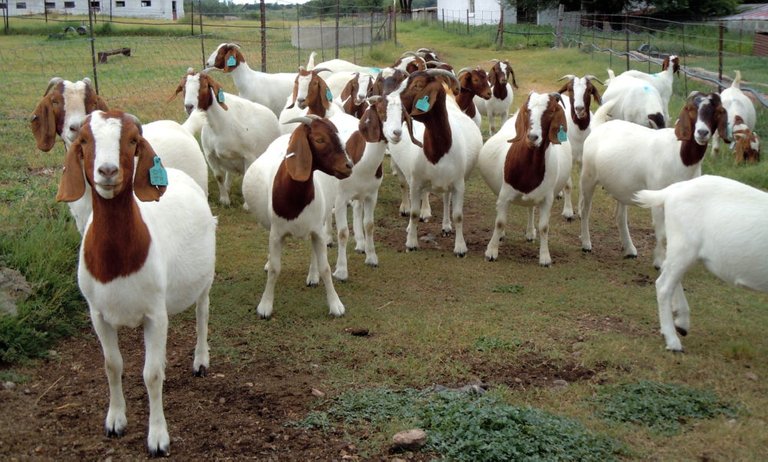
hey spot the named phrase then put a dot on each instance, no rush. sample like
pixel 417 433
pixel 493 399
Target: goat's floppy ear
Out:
pixel 72 183
pixel 179 88
pixel 294 94
pixel 557 125
pixel 145 191
pixel 721 116
pixel 298 158
pixel 425 100
pixel 325 93
pixel 511 72
pixel 521 124
pixel 684 124
pixel 43 124
pixel 370 125
pixel 230 60
pixel 218 94
pixel 595 94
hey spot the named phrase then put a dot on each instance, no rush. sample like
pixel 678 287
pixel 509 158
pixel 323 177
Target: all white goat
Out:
pixel 661 81
pixel 624 158
pixel 63 109
pixel 530 168
pixel 718 221
pixel 497 106
pixel 633 100
pixel 366 148
pixel 142 257
pixel 267 89
pixel 741 119
pixel 446 155
pixel 282 191
pixel 236 131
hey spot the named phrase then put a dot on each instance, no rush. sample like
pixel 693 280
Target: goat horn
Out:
pixel 374 99
pixel 53 81
pixel 567 76
pixel 318 70
pixel 592 77
pixel 303 120
pixel 408 53
pixel 558 97
pixel 208 69
pixel 136 121
pixel 495 60
pixel 464 69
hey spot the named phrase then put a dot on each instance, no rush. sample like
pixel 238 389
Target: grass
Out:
pixel 432 318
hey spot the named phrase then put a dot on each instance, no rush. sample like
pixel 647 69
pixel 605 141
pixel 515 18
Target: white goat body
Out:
pixel 633 100
pixel 662 81
pixel 701 216
pixel 739 105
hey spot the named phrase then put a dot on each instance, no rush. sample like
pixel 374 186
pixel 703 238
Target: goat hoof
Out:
pixel 545 265
pixel 630 257
pixel 411 249
pixel 446 232
pixel 681 331
pixel 112 433
pixel 569 219
pixel 312 284
pixel 403 214
pixel 490 258
pixel 360 251
pixel 583 250
pixel 680 351
pixel 460 254
pixel 265 317
pixel 160 452
pixel 530 239
pixel 201 372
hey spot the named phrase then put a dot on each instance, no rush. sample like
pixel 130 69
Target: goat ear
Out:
pixel 409 126
pixel 218 94
pixel 94 102
pixel 684 124
pixel 324 93
pixel 564 88
pixel 72 183
pixel 425 100
pixel 596 94
pixel 298 158
pixel 43 124
pixel 142 188
pixel 370 125
pixel 230 60
pixel 557 124
pixel 521 124
pixel 721 115
pixel 512 73
pixel 179 88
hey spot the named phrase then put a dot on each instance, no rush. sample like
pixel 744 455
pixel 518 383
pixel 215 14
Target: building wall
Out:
pixel 480 12
pixel 157 9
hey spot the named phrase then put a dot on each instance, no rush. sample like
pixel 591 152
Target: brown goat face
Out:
pixel 541 120
pixel 328 155
pixel 700 117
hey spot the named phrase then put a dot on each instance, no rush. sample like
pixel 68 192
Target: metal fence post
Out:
pixel 93 49
pixel 721 27
pixel 467 21
pixel 298 35
pixel 202 39
pixel 685 82
pixel 337 30
pixel 263 14
pixel 626 37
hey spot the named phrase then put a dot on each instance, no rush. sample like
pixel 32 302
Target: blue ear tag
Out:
pixel 157 174
pixel 231 61
pixel 561 135
pixel 329 95
pixel 729 131
pixel 422 104
pixel 220 95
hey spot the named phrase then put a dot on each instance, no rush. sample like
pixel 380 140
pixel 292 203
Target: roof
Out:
pixel 759 13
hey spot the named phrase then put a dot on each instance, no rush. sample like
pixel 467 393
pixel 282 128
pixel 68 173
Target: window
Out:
pixel 96 5
pixel 69 4
pixel 120 4
pixel 471 6
pixel 146 3
pixel 3 6
pixel 21 5
pixel 50 4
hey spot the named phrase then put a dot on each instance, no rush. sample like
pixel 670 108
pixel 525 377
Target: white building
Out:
pixel 156 9
pixel 476 12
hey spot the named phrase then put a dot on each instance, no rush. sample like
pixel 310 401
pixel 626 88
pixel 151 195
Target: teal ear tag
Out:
pixel 220 95
pixel 157 174
pixel 561 135
pixel 422 104
pixel 231 61
pixel 329 95
pixel 729 131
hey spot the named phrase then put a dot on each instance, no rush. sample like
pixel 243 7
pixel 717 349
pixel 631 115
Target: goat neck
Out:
pixel 438 137
pixel 464 100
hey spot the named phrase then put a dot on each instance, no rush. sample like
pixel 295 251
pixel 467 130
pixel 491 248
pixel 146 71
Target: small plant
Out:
pixel 493 343
pixel 508 289
pixel 661 407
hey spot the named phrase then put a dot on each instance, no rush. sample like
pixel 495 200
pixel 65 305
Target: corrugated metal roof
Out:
pixel 759 13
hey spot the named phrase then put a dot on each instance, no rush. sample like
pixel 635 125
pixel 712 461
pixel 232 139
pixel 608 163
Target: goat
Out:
pixel 633 100
pixel 662 81
pixel 310 95
pixel 366 149
pixel 445 157
pixel 267 89
pixel 142 257
pixel 711 219
pixel 501 94
pixel 532 166
pixel 624 158
pixel 741 120
pixel 236 131
pixel 67 104
pixel 410 62
pixel 351 97
pixel 284 195
pixel 474 82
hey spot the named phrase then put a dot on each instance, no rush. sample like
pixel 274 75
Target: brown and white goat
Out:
pixel 474 82
pixel 742 119
pixel 501 94
pixel 625 157
pixel 148 252
pixel 446 154
pixel 536 166
pixel 310 95
pixel 352 97
pixel 286 197
pixel 746 143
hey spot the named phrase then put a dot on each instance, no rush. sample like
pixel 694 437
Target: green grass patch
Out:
pixel 663 408
pixel 467 427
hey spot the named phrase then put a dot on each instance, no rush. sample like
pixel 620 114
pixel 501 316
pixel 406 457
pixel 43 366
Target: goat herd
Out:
pixel 311 143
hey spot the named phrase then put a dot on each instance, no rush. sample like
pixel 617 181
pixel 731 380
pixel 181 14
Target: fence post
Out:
pixel 337 31
pixel 592 23
pixel 298 35
pixel 684 62
pixel 192 15
pixel 559 32
pixel 721 27
pixel 202 39
pixel 626 37
pixel 93 49
pixel 394 24
pixel 467 21
pixel 501 27
pixel 322 44
pixel 370 44
pixel 442 11
pixel 741 32
pixel 263 14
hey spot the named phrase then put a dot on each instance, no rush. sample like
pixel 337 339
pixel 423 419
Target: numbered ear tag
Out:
pixel 562 136
pixel 329 95
pixel 157 174
pixel 220 95
pixel 422 104
pixel 231 61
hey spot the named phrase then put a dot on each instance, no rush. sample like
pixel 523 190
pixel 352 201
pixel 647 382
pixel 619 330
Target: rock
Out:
pixel 222 400
pixel 357 331
pixel 751 376
pixel 409 440
pixel 317 393
pixel 13 289
pixel 559 383
pixel 9 385
pixel 428 239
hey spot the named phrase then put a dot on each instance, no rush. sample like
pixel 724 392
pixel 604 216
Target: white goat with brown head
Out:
pixel 148 252
pixel 501 77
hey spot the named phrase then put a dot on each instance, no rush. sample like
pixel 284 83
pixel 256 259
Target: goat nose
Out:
pixel 74 127
pixel 188 108
pixel 533 137
pixel 397 132
pixel 107 170
pixel 702 132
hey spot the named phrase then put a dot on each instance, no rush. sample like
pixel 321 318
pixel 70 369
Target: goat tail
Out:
pixel 603 113
pixel 611 76
pixel 736 80
pixel 648 198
